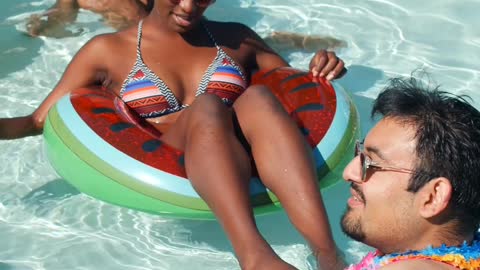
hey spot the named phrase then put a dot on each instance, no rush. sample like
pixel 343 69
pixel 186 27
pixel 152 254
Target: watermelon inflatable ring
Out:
pixel 103 149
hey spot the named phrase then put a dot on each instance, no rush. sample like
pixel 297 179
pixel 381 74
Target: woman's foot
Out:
pixel 267 260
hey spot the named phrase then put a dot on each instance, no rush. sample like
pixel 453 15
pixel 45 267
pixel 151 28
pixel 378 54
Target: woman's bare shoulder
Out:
pixel 124 36
pixel 110 43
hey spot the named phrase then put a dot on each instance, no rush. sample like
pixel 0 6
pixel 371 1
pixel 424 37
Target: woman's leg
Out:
pixel 219 170
pixel 285 165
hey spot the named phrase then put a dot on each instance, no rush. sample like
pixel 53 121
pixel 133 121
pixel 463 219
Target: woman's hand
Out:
pixel 327 64
pixel 18 127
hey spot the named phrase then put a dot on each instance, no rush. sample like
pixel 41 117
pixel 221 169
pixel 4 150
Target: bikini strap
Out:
pixel 138 61
pixel 139 39
pixel 210 35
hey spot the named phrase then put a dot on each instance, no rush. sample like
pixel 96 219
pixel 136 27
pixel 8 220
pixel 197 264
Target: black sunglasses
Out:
pixel 199 3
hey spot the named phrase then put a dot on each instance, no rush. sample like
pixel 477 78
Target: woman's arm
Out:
pixel 323 64
pixel 85 69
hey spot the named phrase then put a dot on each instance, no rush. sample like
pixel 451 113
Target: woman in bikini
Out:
pixel 189 78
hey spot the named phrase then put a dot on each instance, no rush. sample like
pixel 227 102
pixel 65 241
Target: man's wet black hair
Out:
pixel 448 141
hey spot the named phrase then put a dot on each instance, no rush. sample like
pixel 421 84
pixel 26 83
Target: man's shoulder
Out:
pixel 418 264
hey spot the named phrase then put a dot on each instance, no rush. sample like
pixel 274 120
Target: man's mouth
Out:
pixel 357 198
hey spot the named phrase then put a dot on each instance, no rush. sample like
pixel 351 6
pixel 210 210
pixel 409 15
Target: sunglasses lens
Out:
pixel 358 152
pixel 364 166
pixel 200 3
pixel 204 3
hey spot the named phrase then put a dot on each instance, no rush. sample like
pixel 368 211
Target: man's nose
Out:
pixel 353 171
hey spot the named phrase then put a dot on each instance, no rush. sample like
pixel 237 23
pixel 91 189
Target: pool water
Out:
pixel 46 224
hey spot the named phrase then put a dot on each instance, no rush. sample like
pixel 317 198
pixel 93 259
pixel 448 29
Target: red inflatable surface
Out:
pixel 311 104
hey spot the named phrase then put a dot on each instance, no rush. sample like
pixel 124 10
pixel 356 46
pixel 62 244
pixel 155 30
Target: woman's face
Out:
pixel 184 14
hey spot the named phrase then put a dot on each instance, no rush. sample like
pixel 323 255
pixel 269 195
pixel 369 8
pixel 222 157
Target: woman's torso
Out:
pixel 179 63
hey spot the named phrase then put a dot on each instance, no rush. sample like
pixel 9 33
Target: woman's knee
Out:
pixel 208 110
pixel 205 113
pixel 259 97
pixel 207 103
pixel 258 103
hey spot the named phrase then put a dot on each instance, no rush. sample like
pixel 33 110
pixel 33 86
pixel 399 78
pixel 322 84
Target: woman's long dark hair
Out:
pixel 149 5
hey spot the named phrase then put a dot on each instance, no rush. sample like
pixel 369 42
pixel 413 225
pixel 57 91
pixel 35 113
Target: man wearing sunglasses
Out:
pixel 415 182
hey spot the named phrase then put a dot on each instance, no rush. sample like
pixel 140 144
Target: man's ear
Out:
pixel 434 197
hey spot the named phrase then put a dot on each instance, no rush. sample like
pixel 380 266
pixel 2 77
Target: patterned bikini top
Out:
pixel 465 257
pixel 145 93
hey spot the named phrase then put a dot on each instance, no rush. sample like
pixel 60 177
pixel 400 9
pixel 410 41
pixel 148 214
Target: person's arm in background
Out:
pixel 288 41
pixel 53 22
pixel 323 64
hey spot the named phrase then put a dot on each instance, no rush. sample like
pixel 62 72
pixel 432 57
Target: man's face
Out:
pixel 381 211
